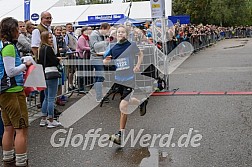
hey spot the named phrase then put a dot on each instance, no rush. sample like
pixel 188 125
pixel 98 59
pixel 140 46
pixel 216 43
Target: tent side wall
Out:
pixel 15 8
pixel 59 14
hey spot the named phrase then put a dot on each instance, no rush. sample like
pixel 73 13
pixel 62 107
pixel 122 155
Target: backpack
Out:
pixel 6 81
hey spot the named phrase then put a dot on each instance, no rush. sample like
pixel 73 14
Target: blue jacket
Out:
pixel 6 81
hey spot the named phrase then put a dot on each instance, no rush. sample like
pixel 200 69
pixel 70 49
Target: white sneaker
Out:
pixel 98 101
pixel 53 124
pixel 43 122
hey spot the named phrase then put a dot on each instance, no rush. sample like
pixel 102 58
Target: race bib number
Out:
pixel 122 64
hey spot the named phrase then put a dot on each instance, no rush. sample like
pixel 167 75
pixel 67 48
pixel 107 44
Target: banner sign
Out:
pixel 157 8
pixel 26 9
pixel 181 19
pixel 99 18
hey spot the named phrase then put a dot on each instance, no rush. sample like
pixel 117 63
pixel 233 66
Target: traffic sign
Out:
pixel 34 16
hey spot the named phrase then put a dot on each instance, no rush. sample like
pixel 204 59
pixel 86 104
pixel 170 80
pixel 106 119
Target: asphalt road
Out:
pixel 220 127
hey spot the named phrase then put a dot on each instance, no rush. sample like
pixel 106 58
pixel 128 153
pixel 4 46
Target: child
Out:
pixel 123 53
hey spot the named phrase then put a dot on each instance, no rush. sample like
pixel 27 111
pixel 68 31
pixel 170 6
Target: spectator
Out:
pixel 60 40
pixel 98 44
pixel 24 42
pixel 77 33
pixel 12 97
pixel 71 42
pixel 130 31
pixel 45 25
pixel 48 58
pixel 29 28
pixel 83 49
pixel 62 50
pixel 63 33
pixel 112 36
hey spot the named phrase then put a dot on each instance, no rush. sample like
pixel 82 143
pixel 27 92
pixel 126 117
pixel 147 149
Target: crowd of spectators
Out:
pixel 83 44
pixel 71 39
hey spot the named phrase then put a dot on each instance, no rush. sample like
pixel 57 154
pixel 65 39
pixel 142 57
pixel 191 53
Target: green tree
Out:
pixel 239 12
pixel 220 12
pixel 197 9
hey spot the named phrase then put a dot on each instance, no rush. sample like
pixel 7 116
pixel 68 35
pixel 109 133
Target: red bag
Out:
pixel 28 90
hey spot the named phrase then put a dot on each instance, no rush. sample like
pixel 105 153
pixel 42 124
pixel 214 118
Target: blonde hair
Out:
pixel 21 22
pixel 56 28
pixel 44 38
pixel 122 26
pixel 28 24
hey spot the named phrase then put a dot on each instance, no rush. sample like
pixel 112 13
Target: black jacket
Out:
pixel 51 59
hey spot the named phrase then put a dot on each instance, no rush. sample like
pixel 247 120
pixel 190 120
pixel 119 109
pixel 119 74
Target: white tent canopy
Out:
pixel 66 11
pixel 67 14
pixel 15 8
pixel 74 14
pixel 104 9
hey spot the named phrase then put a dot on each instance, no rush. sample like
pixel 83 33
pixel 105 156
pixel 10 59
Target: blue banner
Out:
pixel 105 18
pixel 26 9
pixel 182 19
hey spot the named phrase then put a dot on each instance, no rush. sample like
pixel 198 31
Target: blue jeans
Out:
pixel 50 94
pixel 99 73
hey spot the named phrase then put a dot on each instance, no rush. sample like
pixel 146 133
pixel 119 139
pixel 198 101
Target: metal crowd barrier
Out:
pixel 84 74
pixel 143 82
pixel 82 71
pixel 82 78
pixel 205 40
pixel 238 33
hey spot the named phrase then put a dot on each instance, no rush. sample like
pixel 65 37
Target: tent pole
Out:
pixel 130 5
